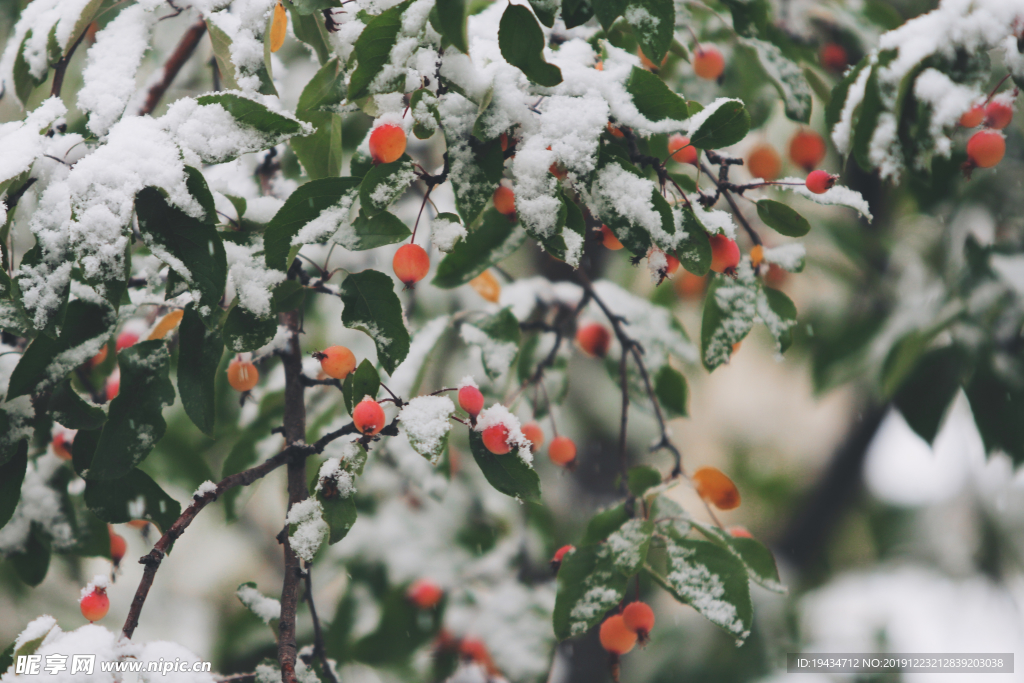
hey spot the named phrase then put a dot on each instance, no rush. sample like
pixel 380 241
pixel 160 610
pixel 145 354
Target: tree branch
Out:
pixel 62 66
pixel 319 649
pixel 754 237
pixel 186 46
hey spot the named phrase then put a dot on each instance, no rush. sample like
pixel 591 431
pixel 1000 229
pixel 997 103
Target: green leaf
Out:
pixel 603 523
pixel 727 317
pixel 310 29
pixel 726 125
pixel 221 43
pixel 372 49
pixel 197 187
pixel 653 23
pixel 320 153
pixel 311 6
pixel 7 659
pixel 712 580
pixel 925 395
pixel 86 328
pixel 997 407
pixel 785 75
pixel 401 630
pixel 363 382
pixel 628 545
pixel 426 119
pixel 749 17
pixel 385 183
pixel 303 206
pixel 498 337
pixel 134 421
pixel 12 474
pixel 588 586
pixel 133 496
pixel 576 12
pixel 522 45
pixel 451 23
pixel 641 478
pixel 32 563
pixel 782 219
pixel 507 473
pixel 339 513
pixel 244 331
pixel 24 81
pixel 670 387
pixel 252 114
pixel 372 306
pixel 837 100
pixel 372 232
pixel 784 311
pixel 190 247
pixel 493 240
pixel 288 296
pixel 653 98
pixel 694 252
pixel 757 559
pixel 200 349
pixel 72 411
pixel 607 11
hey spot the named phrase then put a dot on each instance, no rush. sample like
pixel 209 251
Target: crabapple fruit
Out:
pixel 708 63
pixel 986 148
pixel 715 487
pixel 561 553
pixel 100 356
pixel 616 637
pixel 725 253
pixel 614 131
pixel 242 375
pixel 61 446
pixel 739 532
pixel 95 605
pixel 562 451
pixel 387 143
pixel 424 593
pixel 118 546
pixel 806 149
pixel 410 264
pixel 998 114
pixel 336 361
pixel 764 162
pixel 504 200
pixel 680 149
pixel 535 435
pixel 594 339
pixel 113 385
pixel 609 240
pixel 833 57
pixel 471 400
pixel 495 439
pixel 368 417
pixel 973 117
pixel 820 182
pixel 639 618
pixel 126 339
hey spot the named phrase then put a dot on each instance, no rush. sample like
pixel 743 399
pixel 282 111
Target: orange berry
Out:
pixel 820 182
pixel 725 253
pixel 608 239
pixel 242 375
pixel 495 439
pixel 410 264
pixel 61 446
pixel 739 532
pixel 118 546
pixel 764 162
pixel 998 115
pixel 690 286
pixel 387 143
pixel 504 142
pixel 368 417
pixel 807 149
pixel 614 130
pixel 561 553
pixel 95 605
pixel 475 650
pixel 424 593
pixel 279 28
pixel 648 64
pixel 336 361
pixel 562 451
pixel 833 57
pixel 535 435
pixel 504 200
pixel 715 487
pixel 639 617
pixel 487 286
pixel 973 117
pixel 756 255
pixel 99 357
pixel 471 400
pixel 616 637
pixel 672 264
pixel 599 66
pixel 986 148
pixel 708 63
pixel 166 324
pixel 594 339
pixel 680 149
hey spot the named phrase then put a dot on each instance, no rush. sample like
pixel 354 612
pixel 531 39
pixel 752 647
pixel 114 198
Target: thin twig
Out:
pixel 754 237
pixel 319 649
pixel 62 66
pixel 186 46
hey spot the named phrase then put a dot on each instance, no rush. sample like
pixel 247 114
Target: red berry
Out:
pixel 368 416
pixel 708 63
pixel 764 162
pixel 820 182
pixel 126 339
pixel 562 451
pixel 336 361
pixel 609 240
pixel 61 446
pixel 639 617
pixel 411 264
pixel 424 593
pixel 100 356
pixel 118 546
pixel 95 605
pixel 113 385
pixel 681 150
pixel 562 552
pixel 715 487
pixel 535 435
pixel 495 439
pixel 471 400
pixel 986 148
pixel 973 117
pixel 616 637
pixel 387 143
pixel 504 200
pixel 242 375
pixel 672 263
pixel 833 57
pixel 998 114
pixel 594 339
pixel 739 532
pixel 476 651
pixel 725 253
pixel 807 149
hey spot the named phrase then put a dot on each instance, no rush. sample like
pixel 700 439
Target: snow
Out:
pixel 100 581
pixel 498 414
pixel 702 589
pixel 36 629
pixel 842 132
pixel 787 256
pixel 333 471
pixel 249 277
pixel 204 488
pixel 310 528
pixel 23 141
pixel 498 354
pixel 39 504
pixel 838 195
pixel 445 233
pixel 738 303
pixel 406 376
pixel 654 327
pixel 58 16
pixel 263 607
pixel 425 420
pixel 244 23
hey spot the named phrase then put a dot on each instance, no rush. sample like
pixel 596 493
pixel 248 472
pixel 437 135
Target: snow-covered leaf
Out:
pixel 722 123
pixel 372 49
pixel 785 75
pixel 267 609
pixel 425 421
pixel 199 351
pixel 522 45
pixel 588 586
pixel 372 306
pixel 507 473
pixel 628 545
pixel 494 239
pixel 653 98
pixel 245 331
pixel 132 496
pixel 837 195
pixel 426 119
pixel 730 307
pixel 778 312
pixel 325 201
pixel 335 491
pixel 498 338
pixel 653 23
pixel 757 559
pixel 385 183
pixel 694 252
pixel 274 126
